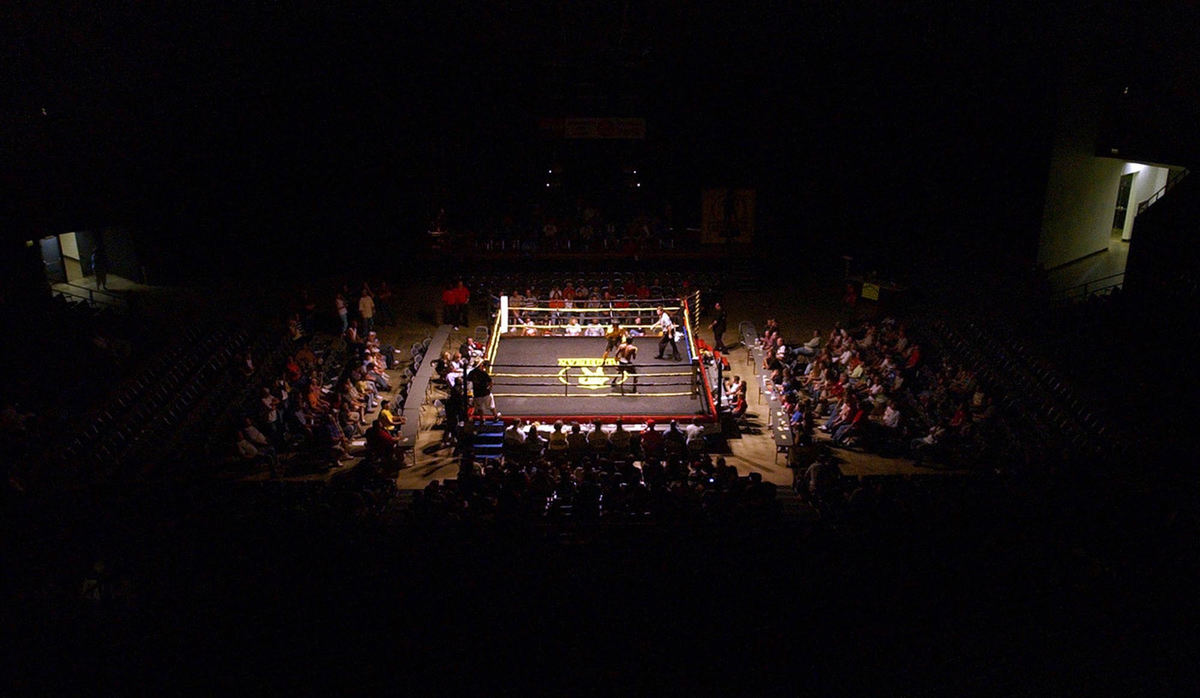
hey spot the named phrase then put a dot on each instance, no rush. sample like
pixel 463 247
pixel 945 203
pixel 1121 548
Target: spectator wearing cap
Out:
pixel 652 440
pixel 390 421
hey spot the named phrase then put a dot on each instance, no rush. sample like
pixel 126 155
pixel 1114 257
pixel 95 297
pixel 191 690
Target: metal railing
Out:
pixel 93 297
pixel 1172 180
pixel 1089 288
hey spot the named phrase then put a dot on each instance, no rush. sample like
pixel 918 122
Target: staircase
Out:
pixel 1172 180
pixel 489 440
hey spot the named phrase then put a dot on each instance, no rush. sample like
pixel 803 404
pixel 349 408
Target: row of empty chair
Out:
pixel 157 399
pixel 1030 408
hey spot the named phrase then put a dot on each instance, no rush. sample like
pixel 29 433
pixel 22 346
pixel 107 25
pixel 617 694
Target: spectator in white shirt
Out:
pixel 514 439
pixel 812 346
pixel 667 326
pixel 694 435
pixel 891 417
pixel 366 310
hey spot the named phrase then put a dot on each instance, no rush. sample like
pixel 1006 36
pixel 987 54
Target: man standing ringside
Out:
pixel 481 388
pixel 718 329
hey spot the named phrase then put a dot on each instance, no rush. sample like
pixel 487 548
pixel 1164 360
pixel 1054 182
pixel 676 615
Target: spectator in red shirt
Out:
pixel 914 357
pixel 462 297
pixel 652 441
pixel 449 303
pixel 380 443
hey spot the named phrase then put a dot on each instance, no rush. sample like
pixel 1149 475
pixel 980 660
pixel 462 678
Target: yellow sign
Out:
pixel 591 375
pixel 587 362
pixel 870 291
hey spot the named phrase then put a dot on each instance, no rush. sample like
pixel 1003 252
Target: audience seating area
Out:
pixel 597 484
pixel 872 387
pixel 571 229
pixel 627 285
pixel 127 434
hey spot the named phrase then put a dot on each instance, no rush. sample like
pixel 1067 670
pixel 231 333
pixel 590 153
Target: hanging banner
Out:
pixel 594 128
pixel 727 216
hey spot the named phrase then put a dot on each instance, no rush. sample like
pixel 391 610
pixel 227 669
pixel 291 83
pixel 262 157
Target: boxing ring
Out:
pixel 540 373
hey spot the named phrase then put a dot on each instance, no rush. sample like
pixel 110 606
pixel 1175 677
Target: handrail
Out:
pixel 1088 288
pixel 92 296
pixel 91 290
pixel 1172 180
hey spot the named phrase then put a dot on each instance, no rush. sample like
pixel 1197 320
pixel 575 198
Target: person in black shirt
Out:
pixel 718 328
pixel 481 388
pixel 456 411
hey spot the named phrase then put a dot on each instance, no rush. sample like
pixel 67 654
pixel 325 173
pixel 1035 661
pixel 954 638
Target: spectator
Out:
pixel 577 441
pixel 366 309
pixel 694 436
pixel 389 421
pixel 812 346
pixel 343 312
pixel 674 441
pixel 383 304
pixel 381 444
pixel 514 439
pixel 462 300
pixel 558 443
pixel 450 306
pixel 822 477
pixel 652 441
pixel 620 439
pixel 598 440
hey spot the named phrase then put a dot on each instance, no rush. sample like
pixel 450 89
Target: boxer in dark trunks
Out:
pixel 614 337
pixel 626 353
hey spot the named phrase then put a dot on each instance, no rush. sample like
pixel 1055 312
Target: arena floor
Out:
pixel 565 377
pixel 807 305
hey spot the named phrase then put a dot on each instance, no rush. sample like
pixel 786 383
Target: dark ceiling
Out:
pixel 290 110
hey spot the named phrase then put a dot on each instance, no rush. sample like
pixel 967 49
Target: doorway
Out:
pixel 52 260
pixel 1118 226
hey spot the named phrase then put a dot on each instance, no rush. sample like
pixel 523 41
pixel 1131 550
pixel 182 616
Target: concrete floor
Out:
pixel 113 283
pixel 1093 268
